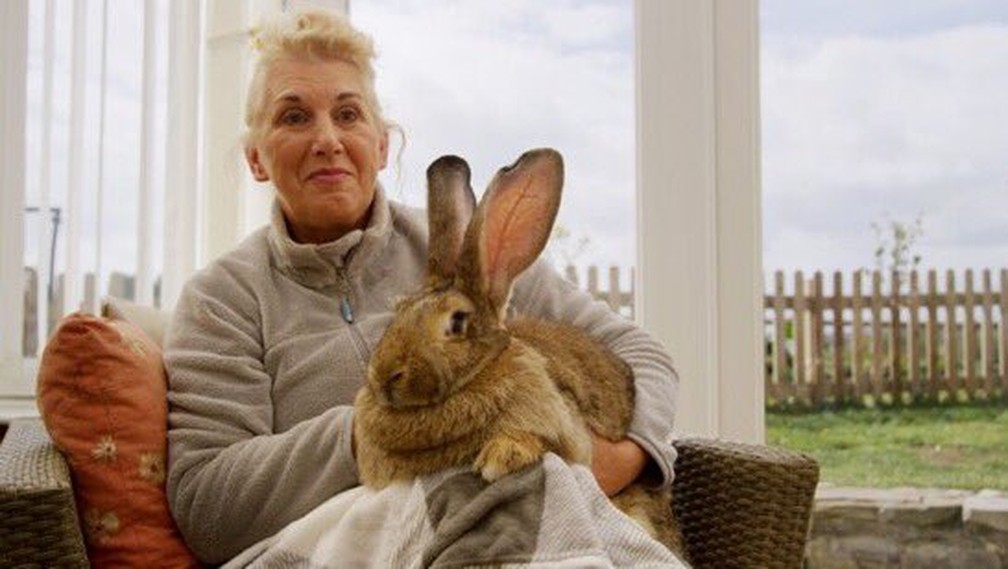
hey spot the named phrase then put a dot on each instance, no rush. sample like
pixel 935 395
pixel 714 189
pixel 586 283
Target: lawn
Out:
pixel 962 447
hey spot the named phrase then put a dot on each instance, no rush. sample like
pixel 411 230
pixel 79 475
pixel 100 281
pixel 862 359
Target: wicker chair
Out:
pixel 739 505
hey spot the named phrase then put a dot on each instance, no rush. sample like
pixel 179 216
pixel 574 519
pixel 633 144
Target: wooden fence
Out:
pixel 907 339
pixel 867 338
pixel 621 301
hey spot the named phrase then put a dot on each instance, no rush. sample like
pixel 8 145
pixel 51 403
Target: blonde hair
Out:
pixel 311 34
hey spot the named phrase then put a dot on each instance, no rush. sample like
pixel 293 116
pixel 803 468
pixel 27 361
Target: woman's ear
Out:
pixel 255 164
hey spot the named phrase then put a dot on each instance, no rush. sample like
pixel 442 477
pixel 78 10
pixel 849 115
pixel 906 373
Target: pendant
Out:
pixel 346 311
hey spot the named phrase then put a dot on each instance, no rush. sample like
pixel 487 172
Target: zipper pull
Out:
pixel 346 311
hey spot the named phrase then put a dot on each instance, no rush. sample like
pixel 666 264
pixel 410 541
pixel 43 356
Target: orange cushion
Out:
pixel 102 394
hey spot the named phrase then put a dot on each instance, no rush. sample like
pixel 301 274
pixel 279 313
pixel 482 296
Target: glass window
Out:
pixel 488 80
pixel 879 112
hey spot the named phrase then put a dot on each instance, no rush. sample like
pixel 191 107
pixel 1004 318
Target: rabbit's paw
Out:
pixel 505 454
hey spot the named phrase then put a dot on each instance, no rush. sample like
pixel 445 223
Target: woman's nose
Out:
pixel 328 139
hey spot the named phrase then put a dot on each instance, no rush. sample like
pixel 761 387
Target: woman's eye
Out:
pixel 293 117
pixel 347 115
pixel 458 323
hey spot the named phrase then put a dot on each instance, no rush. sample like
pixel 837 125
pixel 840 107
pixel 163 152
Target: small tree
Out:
pixel 564 248
pixel 896 242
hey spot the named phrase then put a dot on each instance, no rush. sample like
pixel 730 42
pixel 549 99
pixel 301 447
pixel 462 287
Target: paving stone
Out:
pixel 824 554
pixel 922 514
pixel 869 528
pixel 987 509
pixel 872 551
pixel 949 556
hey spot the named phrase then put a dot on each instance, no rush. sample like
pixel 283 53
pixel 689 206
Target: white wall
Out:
pixel 699 221
pixel 183 222
pixel 233 203
pixel 13 76
pixel 698 195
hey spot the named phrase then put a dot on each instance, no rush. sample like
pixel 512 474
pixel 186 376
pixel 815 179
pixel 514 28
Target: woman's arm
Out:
pixel 617 464
pixel 233 480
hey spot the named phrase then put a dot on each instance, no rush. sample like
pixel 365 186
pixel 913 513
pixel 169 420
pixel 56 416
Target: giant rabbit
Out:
pixel 453 382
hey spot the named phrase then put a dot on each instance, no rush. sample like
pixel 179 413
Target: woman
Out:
pixel 270 342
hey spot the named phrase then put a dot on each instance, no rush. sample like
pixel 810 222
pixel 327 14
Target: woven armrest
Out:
pixel 743 505
pixel 739 505
pixel 38 519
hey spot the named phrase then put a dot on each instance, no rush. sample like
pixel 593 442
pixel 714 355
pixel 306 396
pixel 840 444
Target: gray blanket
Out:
pixel 549 515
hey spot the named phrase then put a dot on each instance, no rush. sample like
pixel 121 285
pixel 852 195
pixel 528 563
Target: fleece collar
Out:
pixel 319 265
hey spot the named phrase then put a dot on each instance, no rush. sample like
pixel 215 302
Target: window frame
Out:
pixel 699 279
pixel 699 208
pixel 14 378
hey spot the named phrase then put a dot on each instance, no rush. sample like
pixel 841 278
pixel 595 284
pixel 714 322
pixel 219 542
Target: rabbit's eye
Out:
pixel 458 323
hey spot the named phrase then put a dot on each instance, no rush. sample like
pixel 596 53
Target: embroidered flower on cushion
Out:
pixel 100 527
pixel 152 468
pixel 105 450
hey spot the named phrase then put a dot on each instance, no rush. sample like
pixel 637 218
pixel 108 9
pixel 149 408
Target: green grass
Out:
pixel 962 447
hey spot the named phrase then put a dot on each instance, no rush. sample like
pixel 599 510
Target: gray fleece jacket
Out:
pixel 263 367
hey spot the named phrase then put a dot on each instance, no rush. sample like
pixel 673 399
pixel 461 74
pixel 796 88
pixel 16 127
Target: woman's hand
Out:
pixel 616 464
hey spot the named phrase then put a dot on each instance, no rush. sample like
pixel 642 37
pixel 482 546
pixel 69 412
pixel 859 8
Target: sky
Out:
pixel 489 80
pixel 880 112
pixel 872 112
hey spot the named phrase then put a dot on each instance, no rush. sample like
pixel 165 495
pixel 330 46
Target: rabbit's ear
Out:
pixel 450 205
pixel 512 225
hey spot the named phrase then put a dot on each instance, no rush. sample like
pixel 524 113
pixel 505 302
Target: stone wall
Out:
pixel 857 528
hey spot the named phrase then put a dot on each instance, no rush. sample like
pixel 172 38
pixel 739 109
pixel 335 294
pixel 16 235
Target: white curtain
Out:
pixel 120 161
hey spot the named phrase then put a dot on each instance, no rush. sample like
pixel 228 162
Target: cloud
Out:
pixel 863 118
pixel 489 80
pixel 855 128
pixel 820 19
pixel 880 108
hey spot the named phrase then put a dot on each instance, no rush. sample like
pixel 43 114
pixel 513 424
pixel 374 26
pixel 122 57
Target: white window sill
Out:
pixel 17 408
pixel 17 389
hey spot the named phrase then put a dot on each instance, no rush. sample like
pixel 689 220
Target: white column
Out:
pixel 224 179
pixel 699 242
pixel 337 5
pixel 92 294
pixel 144 284
pixel 182 180
pixel 255 197
pixel 13 108
pixel 72 282
pixel 43 216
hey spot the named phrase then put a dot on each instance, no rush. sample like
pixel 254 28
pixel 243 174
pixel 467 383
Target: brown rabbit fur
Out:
pixel 453 384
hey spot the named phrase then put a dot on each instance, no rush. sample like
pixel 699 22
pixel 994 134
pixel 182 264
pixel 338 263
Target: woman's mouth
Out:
pixel 328 175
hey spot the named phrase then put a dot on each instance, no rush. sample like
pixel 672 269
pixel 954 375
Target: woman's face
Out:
pixel 321 146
